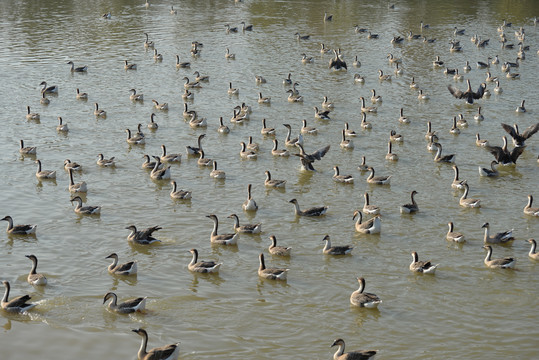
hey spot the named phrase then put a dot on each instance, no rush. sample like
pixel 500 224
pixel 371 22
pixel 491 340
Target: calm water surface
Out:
pixel 465 308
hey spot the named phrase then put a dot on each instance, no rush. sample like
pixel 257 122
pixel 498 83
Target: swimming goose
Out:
pixel 245 28
pixel 98 112
pixel 172 11
pixel 308 129
pixel 18 304
pixel 302 37
pixel 85 210
pixel 443 159
pixel 228 55
pixel 44 100
pixel 76 187
pixel 465 202
pixel 179 194
pixel 391 156
pixel 249 204
pixel 288 80
pixel 326 104
pixel 128 268
pixel 263 100
pixel 181 65
pixel 126 307
pixel 277 152
pixel 335 250
pixel 192 150
pixel 364 123
pixel 77 69
pixel 313 211
pixel 457 184
pixel 503 156
pixel 345 143
pixel 48 90
pixel 342 178
pixel 222 239
pixel 502 263
pixel 191 84
pixel 107 16
pixel 413 84
pixel 351 355
pixel 490 78
pixel 368 208
pixel 168 352
pixel 101 161
pixel 278 250
pixel 469 95
pixel 187 95
pixel 306 59
pixel 378 180
pixel 383 77
pixel 292 141
pixel 35 278
pixel 375 98
pixel 136 97
pixel 429 132
pixel 455 48
pixel 412 207
pixel 392 59
pixel 371 226
pixel 27 150
pixel 204 161
pixel 461 122
pixel 266 130
pixel 199 77
pixel 135 139
pixel 396 40
pixel 422 96
pixel 328 17
pixel 72 165
pixel 44 174
pixel 358 29
pixel 498 238
pixel 479 116
pixel 247 228
pixel 217 174
pixel 529 210
pixel 247 154
pixel 269 182
pixel 394 137
pixel 518 138
pixel 231 90
pixel 294 97
pixel 231 29
pixel 238 117
pixel 534 255
pixel 152 125
pixel 366 109
pixel 454 236
pixel 467 66
pixel 252 145
pixel 223 129
pixel 270 273
pixel 492 172
pixel 361 299
pixel 31 115
pixel 158 172
pixel 356 62
pixel 147 43
pixel 513 76
pixel 424 267
pixel 324 49
pixel 202 266
pixel 142 237
pixel 449 71
pixel 162 107
pixel 156 56
pixel 403 119
pixel 359 79
pixel 371 35
pixel 61 127
pixel 128 66
pixel 195 51
pixel 437 62
pixel 195 122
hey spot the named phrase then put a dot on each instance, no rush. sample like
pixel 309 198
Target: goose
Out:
pixel 490 78
pixel 457 76
pixel 359 79
pixel 217 174
pixel 458 31
pixel 534 255
pixel 61 127
pixel 306 59
pixel 35 278
pixel 348 179
pixel 182 65
pixel 502 263
pixel 454 129
pixel 437 62
pixel 77 69
pixel 44 174
pixel 277 152
pixel 514 76
pixel 158 172
pixel 498 89
pixel 195 51
pixel 238 117
pixel 128 268
pixel 412 207
pixel 449 71
pixel 335 250
pixel 231 29
pixel 199 77
pixel 498 238
pixel 231 90
pixel 187 95
pixel 172 11
pixel 345 143
pixel 19 304
pixel 99 112
pixel 392 59
pixel 422 96
pixel 179 194
pixel 259 79
pixel 228 55
pixel 294 97
pixel 156 56
pixel 391 156
pixel 222 239
pixel 358 29
pixel 247 154
pixel 245 28
pixel 202 266
pixel 351 355
pixel 403 119
pixel 397 40
pixel 252 145
pixel 134 139
pixel 68 164
pixel 270 273
pixel 247 228
pixel 443 159
pixel 161 107
pixel 327 17
pixel 454 236
pixel 126 307
pixel 136 97
pixel 44 100
pixel 469 95
pixel 191 84
pixel 263 100
pixel 142 237
pixel 31 115
pixel 430 146
pixel 479 116
pixel 518 138
pixel 152 125
pixel 168 352
pixel 249 204
pixel 336 63
pixel 223 129
pixel 503 156
pixel 107 16
pixel 308 159
pixel 383 77
pixel 492 172
pixel 356 62
pixel 313 211
pixel 195 122
pixel 371 36
pixel 192 150
pixel 367 109
pixel 292 141
pixel 467 66
pixel 362 299
pixel 326 104
pixel 429 132
pixel 529 210
pixel 365 125
pixel 85 210
pixel 394 137
pixel 203 161
pixel 413 84
pixel 368 208
pixel 457 183
pixel 266 130
pixel 278 250
pixel 371 226
pixel 424 267
pixel 288 80
pixel 302 37
pixel 375 98
pixel 128 66
pixel 76 187
pixel 308 129
pixel 101 161
pixel 147 43
pixel 462 122
pixel 27 150
pixel 455 48
pixel 269 182
pixel 48 90
pixel 378 180
pixel 465 202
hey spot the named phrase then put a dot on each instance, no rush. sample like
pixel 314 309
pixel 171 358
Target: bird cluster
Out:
pixel 161 170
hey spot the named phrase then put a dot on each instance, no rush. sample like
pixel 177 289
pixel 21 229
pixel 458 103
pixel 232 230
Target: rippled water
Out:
pixel 465 308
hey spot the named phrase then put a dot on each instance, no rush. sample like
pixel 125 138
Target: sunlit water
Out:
pixel 465 310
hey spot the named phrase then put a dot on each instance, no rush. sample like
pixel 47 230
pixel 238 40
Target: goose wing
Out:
pixel 160 353
pixel 125 267
pixel 147 233
pixel 319 154
pixel 530 131
pixel 480 91
pixel 19 301
pixel 517 151
pixel 455 92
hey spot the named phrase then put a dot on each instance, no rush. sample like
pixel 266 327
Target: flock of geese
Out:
pixel 159 168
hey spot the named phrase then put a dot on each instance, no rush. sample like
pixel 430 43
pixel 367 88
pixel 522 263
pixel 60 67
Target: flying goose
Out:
pixel 142 237
pixel 313 211
pixel 128 268
pixel 270 273
pixel 371 226
pixel 126 307
pixel 168 352
pixel 202 266
pixel 502 263
pixel 18 304
pixel 278 250
pixel 424 267
pixel 364 299
pixel 35 278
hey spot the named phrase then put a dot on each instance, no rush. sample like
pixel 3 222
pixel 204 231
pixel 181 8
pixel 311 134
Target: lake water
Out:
pixel 464 310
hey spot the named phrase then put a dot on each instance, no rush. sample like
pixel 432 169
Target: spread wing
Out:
pixel 530 131
pixel 147 233
pixel 455 92
pixel 480 91
pixel 510 130
pixel 319 154
pixel 517 151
